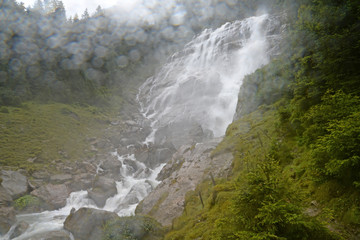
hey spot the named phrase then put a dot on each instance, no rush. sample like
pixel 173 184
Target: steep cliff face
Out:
pixel 189 166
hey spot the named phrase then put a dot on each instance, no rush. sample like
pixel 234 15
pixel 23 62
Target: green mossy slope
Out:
pixel 37 136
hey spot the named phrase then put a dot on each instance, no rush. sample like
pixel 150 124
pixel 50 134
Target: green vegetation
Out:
pixel 27 201
pixel 35 136
pixel 296 158
pixel 133 228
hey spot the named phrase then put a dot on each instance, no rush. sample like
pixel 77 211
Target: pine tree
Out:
pixel 85 15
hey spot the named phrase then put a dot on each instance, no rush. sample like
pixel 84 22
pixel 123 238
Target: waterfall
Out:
pixel 201 83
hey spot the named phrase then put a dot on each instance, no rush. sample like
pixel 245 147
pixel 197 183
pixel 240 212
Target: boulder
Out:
pixel 87 223
pixel 111 164
pixel 20 228
pixel 7 219
pixel 53 195
pixel 82 181
pixel 130 165
pixel 179 134
pixel 15 183
pixel 5 197
pixel 102 189
pixel 60 178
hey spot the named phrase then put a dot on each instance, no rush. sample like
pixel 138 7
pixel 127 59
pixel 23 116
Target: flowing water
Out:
pixel 200 84
pixel 132 185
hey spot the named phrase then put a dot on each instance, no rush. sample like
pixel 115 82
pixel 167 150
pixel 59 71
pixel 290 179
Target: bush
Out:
pixel 25 202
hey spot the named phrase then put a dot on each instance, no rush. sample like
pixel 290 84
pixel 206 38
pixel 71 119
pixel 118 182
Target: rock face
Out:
pixel 103 188
pixel 7 219
pixel 87 223
pixel 54 196
pixel 15 183
pixel 188 167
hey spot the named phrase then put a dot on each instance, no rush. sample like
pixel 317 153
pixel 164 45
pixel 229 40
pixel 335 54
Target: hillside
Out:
pixel 85 130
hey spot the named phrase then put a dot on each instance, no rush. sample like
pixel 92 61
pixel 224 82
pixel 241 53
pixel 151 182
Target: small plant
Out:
pixel 26 201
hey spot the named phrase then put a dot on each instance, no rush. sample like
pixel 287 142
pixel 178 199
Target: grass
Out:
pixel 37 136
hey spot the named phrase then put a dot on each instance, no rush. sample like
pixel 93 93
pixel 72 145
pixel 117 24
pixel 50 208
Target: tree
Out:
pixel 85 15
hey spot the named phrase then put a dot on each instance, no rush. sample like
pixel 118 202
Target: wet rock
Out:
pixel 163 155
pixel 81 181
pixel 87 223
pixel 189 166
pixel 111 164
pixel 7 219
pixel 153 156
pixel 60 178
pixel 131 165
pixel 20 228
pixel 54 196
pixel 5 197
pixel 102 189
pixel 143 173
pixel 15 183
pixel 179 134
pixel 53 235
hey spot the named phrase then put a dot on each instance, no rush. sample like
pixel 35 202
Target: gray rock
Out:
pixel 81 181
pixel 7 219
pixel 111 164
pixel 87 223
pixel 131 165
pixel 163 155
pixel 102 189
pixel 53 195
pixel 189 166
pixel 53 235
pixel 5 197
pixel 60 178
pixel 179 134
pixel 41 175
pixel 131 123
pixel 15 183
pixel 20 228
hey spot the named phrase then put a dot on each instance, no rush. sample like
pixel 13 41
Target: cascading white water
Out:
pixel 135 185
pixel 202 82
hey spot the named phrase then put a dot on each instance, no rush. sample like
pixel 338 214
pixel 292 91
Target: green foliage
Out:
pixel 26 201
pixel 133 228
pixel 337 154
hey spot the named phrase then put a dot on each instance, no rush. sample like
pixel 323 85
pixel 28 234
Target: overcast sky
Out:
pixel 78 6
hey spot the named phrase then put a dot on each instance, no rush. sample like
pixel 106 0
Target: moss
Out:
pixel 27 201
pixel 133 228
pixel 155 208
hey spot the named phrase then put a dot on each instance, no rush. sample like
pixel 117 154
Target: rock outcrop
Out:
pixel 102 189
pixel 15 183
pixel 188 167
pixel 54 196
pixel 87 223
